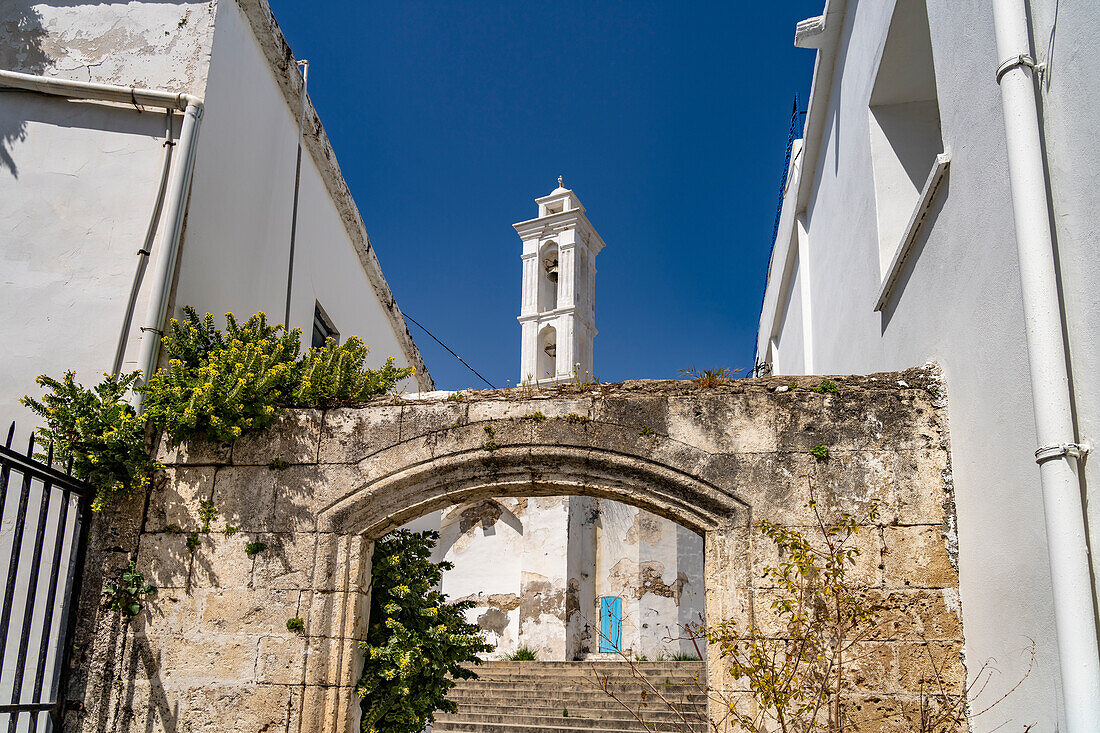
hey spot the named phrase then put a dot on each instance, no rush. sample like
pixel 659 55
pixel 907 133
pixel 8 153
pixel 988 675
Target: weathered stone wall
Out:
pixel 213 653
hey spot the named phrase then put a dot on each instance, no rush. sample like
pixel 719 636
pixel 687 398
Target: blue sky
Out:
pixel 669 120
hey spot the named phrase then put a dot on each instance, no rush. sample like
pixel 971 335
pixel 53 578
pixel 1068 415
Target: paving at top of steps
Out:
pixel 568 697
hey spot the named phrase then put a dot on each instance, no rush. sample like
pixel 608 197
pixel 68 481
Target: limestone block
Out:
pixel 848 481
pixel 234 707
pixel 164 560
pixel 281 659
pixel 221 562
pixel 302 492
pixel 287 563
pixel 340 561
pixel 326 709
pixel 119 524
pixel 175 495
pixel 916 615
pixel 866 572
pixel 293 438
pixel 251 611
pixel 333 662
pixel 244 498
pixel 871 667
pixel 931 666
pixel 193 453
pixel 916 557
pixel 426 419
pixel 634 412
pixel 717 424
pixel 920 486
pixel 169 611
pixel 204 658
pixel 350 434
pixel 855 420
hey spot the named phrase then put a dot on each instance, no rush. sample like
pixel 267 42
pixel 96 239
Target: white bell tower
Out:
pixel 557 314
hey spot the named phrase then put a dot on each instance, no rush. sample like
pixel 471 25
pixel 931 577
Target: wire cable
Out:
pixel 448 348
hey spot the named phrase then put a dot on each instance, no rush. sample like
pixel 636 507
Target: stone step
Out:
pixel 550 721
pixel 568 725
pixel 588 697
pixel 531 697
pixel 651 711
pixel 585 674
pixel 528 684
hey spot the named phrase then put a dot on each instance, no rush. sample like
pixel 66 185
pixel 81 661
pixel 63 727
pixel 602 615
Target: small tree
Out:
pixel 417 643
pixel 797 677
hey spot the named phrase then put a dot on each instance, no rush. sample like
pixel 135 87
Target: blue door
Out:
pixel 611 623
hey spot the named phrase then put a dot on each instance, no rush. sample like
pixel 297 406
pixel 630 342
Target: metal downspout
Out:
pixel 178 186
pixel 146 249
pixel 1058 451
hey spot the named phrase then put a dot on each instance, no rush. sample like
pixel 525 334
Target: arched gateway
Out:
pixel 214 653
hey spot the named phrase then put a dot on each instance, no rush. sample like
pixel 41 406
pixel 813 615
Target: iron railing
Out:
pixel 792 135
pixel 45 514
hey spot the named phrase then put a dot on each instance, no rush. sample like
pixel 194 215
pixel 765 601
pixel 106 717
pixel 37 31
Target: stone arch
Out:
pixel 510 455
pixel 374 508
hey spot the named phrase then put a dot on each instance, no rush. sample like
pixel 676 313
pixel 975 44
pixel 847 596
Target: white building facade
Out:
pixel 85 256
pixel 904 215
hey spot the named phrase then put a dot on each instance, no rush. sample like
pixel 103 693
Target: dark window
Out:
pixel 322 327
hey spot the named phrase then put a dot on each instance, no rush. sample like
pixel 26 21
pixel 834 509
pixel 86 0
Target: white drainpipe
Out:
pixel 1058 451
pixel 178 184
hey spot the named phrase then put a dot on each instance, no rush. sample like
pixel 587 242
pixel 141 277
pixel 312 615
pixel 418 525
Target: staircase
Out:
pixel 567 697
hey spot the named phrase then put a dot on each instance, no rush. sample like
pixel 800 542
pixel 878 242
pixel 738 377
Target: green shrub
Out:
pixel 295 624
pixel 334 374
pixel 240 382
pixel 417 642
pixel 820 452
pixel 98 430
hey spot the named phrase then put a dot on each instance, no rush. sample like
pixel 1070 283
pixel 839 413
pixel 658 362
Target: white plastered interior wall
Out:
pixel 957 303
pixel 79 180
pixel 235 252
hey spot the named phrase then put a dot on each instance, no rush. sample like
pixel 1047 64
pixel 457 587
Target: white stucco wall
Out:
pixel 236 246
pixel 958 303
pixel 79 179
pixel 656 567
pixel 1065 36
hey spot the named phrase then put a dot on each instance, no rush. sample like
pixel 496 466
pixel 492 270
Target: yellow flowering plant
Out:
pixel 216 386
pixel 97 429
pixel 417 643
pixel 221 386
pixel 334 374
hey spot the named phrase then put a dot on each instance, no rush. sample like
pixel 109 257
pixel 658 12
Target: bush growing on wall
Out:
pixel 216 386
pixel 417 643
pixel 98 430
pixel 221 387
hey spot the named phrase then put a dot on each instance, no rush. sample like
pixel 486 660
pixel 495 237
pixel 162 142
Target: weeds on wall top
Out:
pixel 709 378
pixel 216 386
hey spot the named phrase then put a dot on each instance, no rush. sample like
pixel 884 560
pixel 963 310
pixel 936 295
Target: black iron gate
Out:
pixel 44 519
